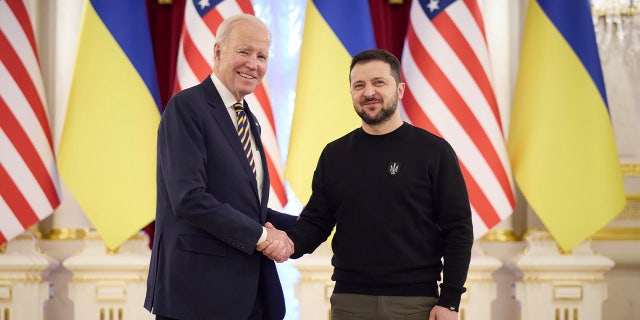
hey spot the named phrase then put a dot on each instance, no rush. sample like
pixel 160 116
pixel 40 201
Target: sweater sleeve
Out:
pixel 454 219
pixel 316 221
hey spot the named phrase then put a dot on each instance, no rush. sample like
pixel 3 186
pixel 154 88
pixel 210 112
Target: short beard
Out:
pixel 382 116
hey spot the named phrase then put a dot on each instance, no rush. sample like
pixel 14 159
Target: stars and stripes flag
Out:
pixel 29 189
pixel 195 63
pixel 445 64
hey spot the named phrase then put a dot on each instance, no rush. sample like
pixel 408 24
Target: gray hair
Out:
pixel 227 25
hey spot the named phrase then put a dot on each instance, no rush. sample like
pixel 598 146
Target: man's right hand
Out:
pixel 278 247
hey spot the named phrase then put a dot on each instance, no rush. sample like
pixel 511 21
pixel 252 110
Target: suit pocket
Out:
pixel 208 246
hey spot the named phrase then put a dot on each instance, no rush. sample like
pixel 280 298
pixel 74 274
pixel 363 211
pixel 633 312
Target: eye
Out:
pixel 262 57
pixel 358 86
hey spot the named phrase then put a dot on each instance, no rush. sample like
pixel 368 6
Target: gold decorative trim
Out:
pixel 165 1
pixel 630 169
pixel 541 277
pixel 630 11
pixel 617 234
pixel 67 234
pixel 5 292
pixel 538 234
pixel 567 292
pixel 111 292
pixel 500 235
pixel 3 248
pixel 396 1
pixel 20 277
pixel 119 277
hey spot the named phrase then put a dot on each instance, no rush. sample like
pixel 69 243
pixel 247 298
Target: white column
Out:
pixel 110 285
pixel 315 286
pixel 23 291
pixel 554 285
pixel 481 288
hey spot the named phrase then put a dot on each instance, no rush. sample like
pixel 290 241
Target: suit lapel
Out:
pixel 256 130
pixel 220 113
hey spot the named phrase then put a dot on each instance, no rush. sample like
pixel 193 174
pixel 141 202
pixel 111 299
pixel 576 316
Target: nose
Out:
pixel 252 62
pixel 369 92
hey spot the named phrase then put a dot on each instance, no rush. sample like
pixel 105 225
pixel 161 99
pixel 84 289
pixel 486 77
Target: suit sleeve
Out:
pixel 183 149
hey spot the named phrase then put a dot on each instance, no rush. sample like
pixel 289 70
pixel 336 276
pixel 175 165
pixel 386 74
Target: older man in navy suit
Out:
pixel 213 188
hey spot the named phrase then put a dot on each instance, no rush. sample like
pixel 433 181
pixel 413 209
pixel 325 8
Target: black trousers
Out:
pixel 256 314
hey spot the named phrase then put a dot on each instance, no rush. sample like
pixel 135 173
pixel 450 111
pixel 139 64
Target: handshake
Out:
pixel 278 247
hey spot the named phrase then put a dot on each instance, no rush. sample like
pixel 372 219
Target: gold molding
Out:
pixel 9 290
pixel 67 234
pixel 111 291
pixel 557 296
pixel 617 234
pixel 86 277
pixel 630 11
pixel 630 169
pixel 500 235
pixel 165 1
pixel 396 1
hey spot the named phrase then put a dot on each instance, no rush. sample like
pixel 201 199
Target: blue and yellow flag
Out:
pixel 561 141
pixel 107 154
pixel 334 31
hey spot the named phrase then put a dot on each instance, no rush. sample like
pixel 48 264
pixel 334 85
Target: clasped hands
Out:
pixel 278 247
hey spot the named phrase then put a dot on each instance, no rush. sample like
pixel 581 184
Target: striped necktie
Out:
pixel 243 133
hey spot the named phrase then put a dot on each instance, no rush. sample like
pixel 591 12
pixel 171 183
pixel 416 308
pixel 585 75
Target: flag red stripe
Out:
pixel 213 19
pixel 197 63
pixel 452 35
pixel 415 114
pixel 261 95
pixel 276 181
pixel 24 121
pixel 21 14
pixel 246 6
pixel 459 108
pixel 16 200
pixel 18 72
pixel 473 7
pixel 28 152
pixel 479 199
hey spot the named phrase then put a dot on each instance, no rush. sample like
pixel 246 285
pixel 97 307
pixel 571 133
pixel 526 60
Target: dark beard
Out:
pixel 382 116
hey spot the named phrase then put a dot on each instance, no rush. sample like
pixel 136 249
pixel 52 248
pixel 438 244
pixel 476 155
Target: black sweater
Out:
pixel 399 204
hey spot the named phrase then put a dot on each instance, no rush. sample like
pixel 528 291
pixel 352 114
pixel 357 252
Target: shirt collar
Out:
pixel 225 94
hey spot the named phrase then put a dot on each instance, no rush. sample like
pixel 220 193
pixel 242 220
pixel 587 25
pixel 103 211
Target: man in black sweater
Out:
pixel 398 201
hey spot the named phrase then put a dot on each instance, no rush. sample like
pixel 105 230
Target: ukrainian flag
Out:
pixel 107 152
pixel 561 141
pixel 334 31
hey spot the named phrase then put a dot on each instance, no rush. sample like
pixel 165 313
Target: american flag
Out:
pixel 195 62
pixel 445 64
pixel 29 189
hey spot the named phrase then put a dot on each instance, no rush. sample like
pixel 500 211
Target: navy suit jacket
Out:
pixel 204 263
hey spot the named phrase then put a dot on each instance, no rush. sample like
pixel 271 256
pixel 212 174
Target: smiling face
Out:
pixel 374 91
pixel 240 59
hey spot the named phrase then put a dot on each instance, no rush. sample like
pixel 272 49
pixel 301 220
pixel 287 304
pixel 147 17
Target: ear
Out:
pixel 216 52
pixel 401 90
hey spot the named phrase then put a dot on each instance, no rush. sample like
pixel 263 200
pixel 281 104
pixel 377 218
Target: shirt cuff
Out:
pixel 263 237
pixel 450 297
